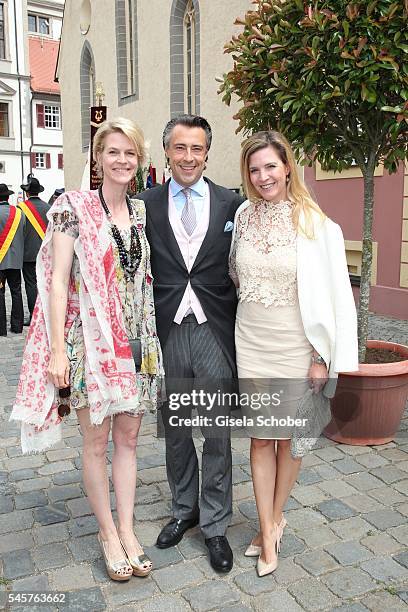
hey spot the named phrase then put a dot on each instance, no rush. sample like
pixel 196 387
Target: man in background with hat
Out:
pixel 12 225
pixel 35 210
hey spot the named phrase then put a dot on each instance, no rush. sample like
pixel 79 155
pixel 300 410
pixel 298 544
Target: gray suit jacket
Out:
pixel 13 259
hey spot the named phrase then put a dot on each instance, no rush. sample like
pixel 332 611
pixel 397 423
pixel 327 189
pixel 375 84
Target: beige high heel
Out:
pixel 141 564
pixel 262 567
pixel 115 568
pixel 253 550
pixel 281 527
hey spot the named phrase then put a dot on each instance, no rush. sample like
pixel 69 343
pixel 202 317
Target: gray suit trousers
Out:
pixel 191 353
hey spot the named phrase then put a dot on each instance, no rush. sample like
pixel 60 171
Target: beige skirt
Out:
pixel 273 360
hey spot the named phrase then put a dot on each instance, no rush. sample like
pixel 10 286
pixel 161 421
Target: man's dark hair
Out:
pixel 188 121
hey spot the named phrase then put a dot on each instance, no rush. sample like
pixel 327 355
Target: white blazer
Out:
pixel 325 297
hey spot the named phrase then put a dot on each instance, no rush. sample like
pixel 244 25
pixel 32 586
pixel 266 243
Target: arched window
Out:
pixel 184 57
pixel 126 50
pixel 87 86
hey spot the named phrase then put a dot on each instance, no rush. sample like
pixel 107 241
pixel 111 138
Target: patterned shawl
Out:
pixel 110 373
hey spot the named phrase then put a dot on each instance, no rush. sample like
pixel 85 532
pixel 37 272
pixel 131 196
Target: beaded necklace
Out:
pixel 130 261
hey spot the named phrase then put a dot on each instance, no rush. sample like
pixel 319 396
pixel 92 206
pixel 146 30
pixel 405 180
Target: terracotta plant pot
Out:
pixel 369 404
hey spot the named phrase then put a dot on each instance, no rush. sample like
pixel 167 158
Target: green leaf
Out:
pixel 346 28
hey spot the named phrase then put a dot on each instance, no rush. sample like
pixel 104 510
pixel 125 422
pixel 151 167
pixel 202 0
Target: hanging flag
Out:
pixel 98 115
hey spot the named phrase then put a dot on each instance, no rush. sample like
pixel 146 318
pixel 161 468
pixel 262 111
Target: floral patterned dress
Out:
pixel 136 295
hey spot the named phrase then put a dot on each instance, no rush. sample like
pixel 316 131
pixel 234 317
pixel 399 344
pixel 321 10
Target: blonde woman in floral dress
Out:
pixel 96 296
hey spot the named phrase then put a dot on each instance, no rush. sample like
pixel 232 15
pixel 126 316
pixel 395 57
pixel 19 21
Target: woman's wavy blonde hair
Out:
pixel 298 193
pixel 128 128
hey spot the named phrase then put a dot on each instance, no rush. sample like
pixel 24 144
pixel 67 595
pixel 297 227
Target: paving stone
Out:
pixel 177 577
pixel 121 593
pixel 61 454
pixel 351 529
pixel 311 594
pixel 16 541
pixel 151 461
pixel 83 525
pixel 169 603
pixel 308 477
pixel 211 594
pixel 248 509
pixel 291 545
pixel 55 468
pixel 304 518
pixel 250 583
pixel 71 577
pixel 240 536
pixel 349 553
pixel 79 507
pixel 163 557
pixel 402 508
pixel 51 556
pixel 32 499
pixel 381 543
pixel 152 475
pixel 85 548
pixel 32 584
pixel 64 492
pixel 6 504
pixel 317 562
pixel 349 582
pixel 389 473
pixel 152 512
pixel 3 477
pixel 16 521
pixel 394 454
pixel 23 463
pixel 288 572
pixel 363 503
pixel 400 533
pixel 351 607
pixel 402 558
pixel 291 504
pixel 65 478
pixel 347 465
pixel 48 534
pixel 33 484
pixel 239 475
pixel 403 595
pixel 309 495
pixel 318 537
pixel 327 472
pixel 192 546
pixel 17 475
pixel 387 496
pixel 48 515
pixel 378 602
pixel 276 602
pixel 384 519
pixel 384 569
pixel 401 486
pixel 337 488
pixel 85 599
pixel 329 454
pixel 17 564
pixel 371 460
pixel 310 460
pixel 334 509
pixel 148 494
pixel 352 450
pixel 363 481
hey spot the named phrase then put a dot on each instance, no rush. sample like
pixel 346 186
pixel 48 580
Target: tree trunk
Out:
pixel 366 260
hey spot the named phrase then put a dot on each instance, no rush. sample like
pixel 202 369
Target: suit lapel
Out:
pixel 218 213
pixel 158 211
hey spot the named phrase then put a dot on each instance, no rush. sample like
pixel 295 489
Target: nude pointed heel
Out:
pixel 262 567
pixel 281 527
pixel 253 550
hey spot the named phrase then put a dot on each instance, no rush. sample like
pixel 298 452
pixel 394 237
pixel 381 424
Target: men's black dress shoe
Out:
pixel 221 557
pixel 27 323
pixel 172 533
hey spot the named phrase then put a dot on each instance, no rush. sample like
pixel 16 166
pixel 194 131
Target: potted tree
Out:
pixel 332 75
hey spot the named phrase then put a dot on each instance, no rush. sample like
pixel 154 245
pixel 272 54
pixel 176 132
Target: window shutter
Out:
pixel 47 160
pixel 40 115
pixel 60 161
pixel 33 164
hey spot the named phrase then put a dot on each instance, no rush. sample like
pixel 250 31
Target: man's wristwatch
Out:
pixel 318 359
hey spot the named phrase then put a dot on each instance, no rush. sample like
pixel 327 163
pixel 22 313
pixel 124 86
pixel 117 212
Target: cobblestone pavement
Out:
pixel 345 547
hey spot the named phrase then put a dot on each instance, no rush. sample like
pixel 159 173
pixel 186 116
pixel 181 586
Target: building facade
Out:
pixel 29 34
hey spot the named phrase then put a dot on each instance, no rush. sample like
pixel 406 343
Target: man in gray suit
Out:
pixel 12 223
pixel 188 223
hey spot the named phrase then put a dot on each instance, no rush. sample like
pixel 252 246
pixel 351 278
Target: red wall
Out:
pixel 342 200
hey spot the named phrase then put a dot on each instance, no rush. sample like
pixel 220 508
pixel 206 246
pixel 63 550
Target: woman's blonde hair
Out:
pixel 128 128
pixel 298 193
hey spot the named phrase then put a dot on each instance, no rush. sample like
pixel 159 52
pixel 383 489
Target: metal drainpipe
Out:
pixel 20 107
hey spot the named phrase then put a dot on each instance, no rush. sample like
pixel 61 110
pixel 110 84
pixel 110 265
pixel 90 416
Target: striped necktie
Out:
pixel 188 214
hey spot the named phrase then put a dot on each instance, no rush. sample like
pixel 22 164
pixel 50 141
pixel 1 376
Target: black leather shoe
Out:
pixel 173 532
pixel 221 557
pixel 27 323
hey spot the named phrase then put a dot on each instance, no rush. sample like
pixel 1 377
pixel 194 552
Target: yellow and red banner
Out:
pixel 9 231
pixel 34 217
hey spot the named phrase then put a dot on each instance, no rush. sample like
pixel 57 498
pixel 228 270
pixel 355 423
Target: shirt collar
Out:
pixel 198 187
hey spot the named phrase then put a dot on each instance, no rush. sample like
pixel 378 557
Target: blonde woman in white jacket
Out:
pixel 296 318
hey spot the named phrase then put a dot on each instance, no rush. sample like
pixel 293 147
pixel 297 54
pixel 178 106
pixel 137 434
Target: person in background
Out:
pixel 296 318
pixel 189 226
pixel 12 226
pixel 96 301
pixel 35 210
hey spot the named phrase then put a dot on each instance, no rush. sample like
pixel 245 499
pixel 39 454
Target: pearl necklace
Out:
pixel 129 260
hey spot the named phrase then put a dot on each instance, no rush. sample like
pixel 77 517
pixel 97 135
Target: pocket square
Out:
pixel 229 226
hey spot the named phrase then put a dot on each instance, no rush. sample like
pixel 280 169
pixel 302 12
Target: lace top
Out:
pixel 263 259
